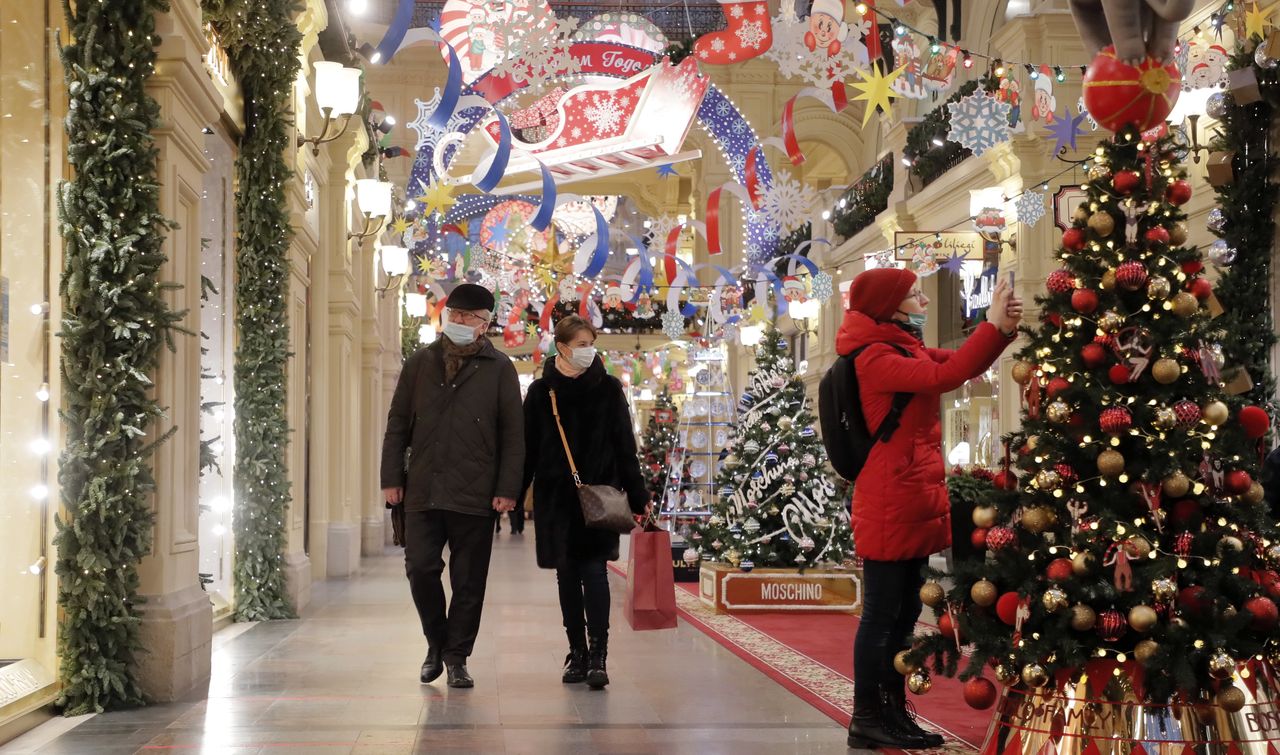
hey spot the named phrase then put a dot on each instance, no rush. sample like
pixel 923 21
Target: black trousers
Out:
pixel 470 543
pixel 584 599
pixel 890 608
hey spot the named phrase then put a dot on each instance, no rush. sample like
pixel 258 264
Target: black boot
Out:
pixel 899 711
pixel 432 667
pixel 459 677
pixel 598 649
pixel 575 665
pixel 871 729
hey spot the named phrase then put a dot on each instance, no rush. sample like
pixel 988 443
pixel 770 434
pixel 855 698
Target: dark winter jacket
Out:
pixel 465 440
pixel 597 422
pixel 900 505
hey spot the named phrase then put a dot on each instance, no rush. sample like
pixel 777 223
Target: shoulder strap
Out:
pixel 555 412
pixel 900 400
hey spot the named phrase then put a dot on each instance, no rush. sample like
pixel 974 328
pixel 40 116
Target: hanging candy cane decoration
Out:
pixel 673 239
pixel 836 100
pixel 713 211
pixel 587 307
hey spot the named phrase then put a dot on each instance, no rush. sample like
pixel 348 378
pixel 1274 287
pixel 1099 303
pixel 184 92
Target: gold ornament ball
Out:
pixel 1098 171
pixel 919 682
pixel 1058 411
pixel 1048 479
pixel 1158 288
pixel 1163 589
pixel 1006 673
pixel 733 556
pixel 1229 613
pixel 1054 599
pixel 1254 494
pixel 1166 371
pixel 932 594
pixel 1165 418
pixel 984 517
pixel 1185 304
pixel 1145 651
pixel 1143 618
pixel 1221 665
pixel 1102 223
pixel 1108 281
pixel 1176 485
pixel 1178 234
pixel 1036 520
pixel 1083 618
pixel 1083 563
pixel 1138 547
pixel 984 593
pixel 1231 699
pixel 1033 441
pixel 1034 675
pixel 1110 321
pixel 1111 463
pixel 1023 372
pixel 903 664
pixel 1216 413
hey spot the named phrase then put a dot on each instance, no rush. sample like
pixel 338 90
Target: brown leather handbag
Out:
pixel 604 507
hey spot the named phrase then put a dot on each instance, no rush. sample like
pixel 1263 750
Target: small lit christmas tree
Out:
pixel 655 447
pixel 776 505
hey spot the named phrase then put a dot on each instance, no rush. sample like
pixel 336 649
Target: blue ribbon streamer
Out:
pixel 501 156
pixel 542 218
pixel 673 294
pixel 396 31
pixel 767 274
pixel 644 281
pixel 808 263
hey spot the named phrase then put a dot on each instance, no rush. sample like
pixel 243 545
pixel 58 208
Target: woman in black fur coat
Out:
pixel 597 423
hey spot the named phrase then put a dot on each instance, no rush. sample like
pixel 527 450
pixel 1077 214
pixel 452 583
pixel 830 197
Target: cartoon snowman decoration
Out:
pixel 827 29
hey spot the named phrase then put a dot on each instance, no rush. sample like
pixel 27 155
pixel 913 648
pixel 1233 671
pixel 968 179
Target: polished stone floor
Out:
pixel 343 679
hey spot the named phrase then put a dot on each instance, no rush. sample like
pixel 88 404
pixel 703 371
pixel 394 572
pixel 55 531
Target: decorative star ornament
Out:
pixel 400 225
pixel 1065 129
pixel 954 263
pixel 498 234
pixel 438 198
pixel 876 89
pixel 666 171
pixel 1256 21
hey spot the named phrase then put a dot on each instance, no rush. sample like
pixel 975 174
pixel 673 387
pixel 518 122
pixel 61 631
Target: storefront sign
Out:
pixel 599 58
pixel 17 680
pixel 908 245
pixel 730 590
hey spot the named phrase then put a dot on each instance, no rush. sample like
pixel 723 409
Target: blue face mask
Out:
pixel 461 335
pixel 916 319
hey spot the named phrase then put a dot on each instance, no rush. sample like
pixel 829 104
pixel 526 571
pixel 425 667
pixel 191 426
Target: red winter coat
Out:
pixel 900 505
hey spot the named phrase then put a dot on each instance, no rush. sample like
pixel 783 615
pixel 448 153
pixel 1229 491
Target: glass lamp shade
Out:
pixel 337 88
pixel 803 310
pixel 415 305
pixel 427 333
pixel 395 260
pixel 751 334
pixel 374 197
pixel 1191 103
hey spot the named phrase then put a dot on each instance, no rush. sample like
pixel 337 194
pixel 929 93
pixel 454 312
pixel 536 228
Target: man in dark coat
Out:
pixel 453 455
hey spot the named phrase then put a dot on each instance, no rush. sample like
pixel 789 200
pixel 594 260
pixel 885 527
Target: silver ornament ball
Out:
pixel 1217 221
pixel 1217 105
pixel 1221 253
pixel 1263 59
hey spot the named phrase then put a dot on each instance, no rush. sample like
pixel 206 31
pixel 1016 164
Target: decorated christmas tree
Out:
pixel 1126 546
pixel 656 445
pixel 776 505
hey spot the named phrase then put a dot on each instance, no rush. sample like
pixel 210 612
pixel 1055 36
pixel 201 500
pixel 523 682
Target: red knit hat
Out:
pixel 877 293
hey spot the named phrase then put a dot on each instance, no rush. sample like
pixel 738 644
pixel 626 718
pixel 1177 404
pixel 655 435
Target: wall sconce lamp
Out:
pixel 804 311
pixel 1190 106
pixel 395 263
pixel 374 198
pixel 337 96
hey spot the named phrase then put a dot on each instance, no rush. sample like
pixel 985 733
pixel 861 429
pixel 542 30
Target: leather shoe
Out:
pixel 432 667
pixel 459 678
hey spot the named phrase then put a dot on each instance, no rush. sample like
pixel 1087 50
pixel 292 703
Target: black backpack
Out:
pixel 845 434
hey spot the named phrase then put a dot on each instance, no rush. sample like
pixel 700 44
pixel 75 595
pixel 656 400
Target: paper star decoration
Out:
pixel 438 198
pixel 1064 130
pixel 1030 208
pixel 667 170
pixel 876 90
pixel 954 263
pixel 1256 21
pixel 498 235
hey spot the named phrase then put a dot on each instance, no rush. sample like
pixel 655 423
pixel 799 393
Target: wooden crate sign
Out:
pixel 731 590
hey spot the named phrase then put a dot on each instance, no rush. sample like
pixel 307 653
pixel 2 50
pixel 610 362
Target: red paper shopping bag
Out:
pixel 650 601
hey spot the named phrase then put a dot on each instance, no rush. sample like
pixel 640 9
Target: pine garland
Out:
pixel 262 43
pixel 114 322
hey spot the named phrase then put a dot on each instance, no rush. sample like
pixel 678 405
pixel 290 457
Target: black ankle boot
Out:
pixel 899 711
pixel 871 729
pixel 597 650
pixel 575 665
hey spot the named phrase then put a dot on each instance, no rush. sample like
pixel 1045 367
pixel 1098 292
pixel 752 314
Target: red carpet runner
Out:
pixel 812 656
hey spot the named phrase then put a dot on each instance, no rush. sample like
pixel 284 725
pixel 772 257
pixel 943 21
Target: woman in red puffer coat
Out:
pixel 901 514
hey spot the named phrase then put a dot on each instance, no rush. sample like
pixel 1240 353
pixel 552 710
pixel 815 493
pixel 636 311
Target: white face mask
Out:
pixel 461 335
pixel 582 357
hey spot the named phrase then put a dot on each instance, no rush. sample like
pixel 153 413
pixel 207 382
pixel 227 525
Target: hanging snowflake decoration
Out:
pixel 660 227
pixel 428 136
pixel 822 287
pixel 536 56
pixel 1030 208
pixel 795 59
pixel 788 202
pixel 979 122
pixel 673 325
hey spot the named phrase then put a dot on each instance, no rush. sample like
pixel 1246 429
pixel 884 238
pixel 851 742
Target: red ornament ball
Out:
pixel 1200 288
pixel 1111 625
pixel 1005 480
pixel 1084 300
pixel 1066 472
pixel 1073 239
pixel 1186 514
pixel 1238 482
pixel 979 538
pixel 1263 614
pixel 1057 385
pixel 1060 282
pixel 1191 599
pixel 1125 181
pixel 1117 94
pixel 1179 192
pixel 1187 412
pixel 1182 544
pixel 1131 275
pixel 1191 267
pixel 1054 319
pixel 1119 375
pixel 1007 608
pixel 1254 421
pixel 979 693
pixel 1115 420
pixel 999 538
pixel 1093 355
pixel 946 626
pixel 1059 570
pixel 1158 235
pixel 1271 582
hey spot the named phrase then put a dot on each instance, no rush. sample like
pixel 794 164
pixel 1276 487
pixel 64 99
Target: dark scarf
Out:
pixel 455 356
